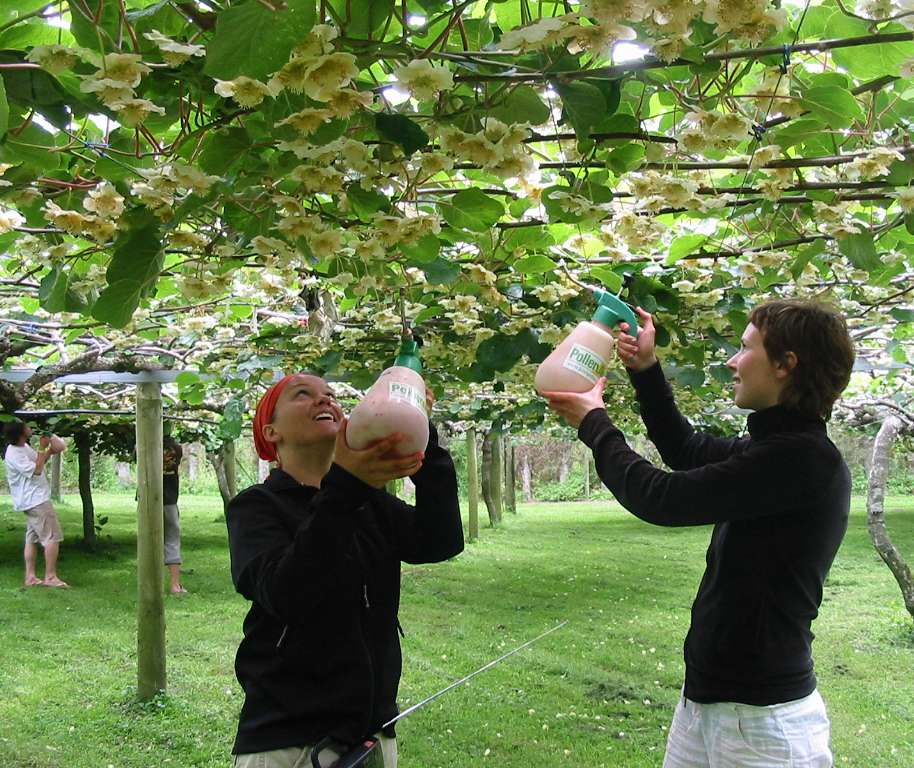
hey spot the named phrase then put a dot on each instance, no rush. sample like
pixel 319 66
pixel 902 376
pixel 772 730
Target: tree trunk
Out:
pixel 223 461
pixel 84 462
pixel 565 466
pixel 491 476
pixel 124 476
pixel 586 472
pixel 472 485
pixel 526 476
pixel 193 462
pixel 875 510
pixel 55 476
pixel 510 495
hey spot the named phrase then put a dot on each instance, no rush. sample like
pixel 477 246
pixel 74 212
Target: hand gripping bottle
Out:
pixel 577 363
pixel 395 403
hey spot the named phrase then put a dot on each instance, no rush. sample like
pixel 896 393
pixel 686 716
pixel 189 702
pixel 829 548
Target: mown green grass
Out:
pixel 598 692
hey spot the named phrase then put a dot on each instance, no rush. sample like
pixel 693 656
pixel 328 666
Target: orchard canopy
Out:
pixel 237 186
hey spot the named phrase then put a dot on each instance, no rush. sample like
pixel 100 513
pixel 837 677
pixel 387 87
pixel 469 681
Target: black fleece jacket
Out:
pixel 320 654
pixel 779 502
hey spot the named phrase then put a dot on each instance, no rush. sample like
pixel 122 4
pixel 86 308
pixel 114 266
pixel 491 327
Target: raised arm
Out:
pixel 431 530
pixel 765 479
pixel 679 444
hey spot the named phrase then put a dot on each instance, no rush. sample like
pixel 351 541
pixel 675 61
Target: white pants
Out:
pixel 725 735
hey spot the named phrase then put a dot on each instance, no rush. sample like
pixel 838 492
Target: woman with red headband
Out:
pixel 317 548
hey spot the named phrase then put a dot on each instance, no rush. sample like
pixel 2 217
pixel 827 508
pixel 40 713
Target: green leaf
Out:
pixel 423 252
pixel 252 40
pixel 683 246
pixel 117 303
pixel 868 62
pixel 835 105
pixel 87 31
pixel 30 147
pixel 522 105
pixel 909 223
pixel 610 280
pixel 625 158
pixel 473 210
pixel 902 315
pixel 798 131
pixel 138 251
pixel 584 105
pixel 222 149
pixel 4 110
pixel 535 264
pixel 52 291
pixel 366 202
pixel 860 250
pixel 401 130
pixel 804 256
pixel 441 272
pixel 363 18
pixel 232 419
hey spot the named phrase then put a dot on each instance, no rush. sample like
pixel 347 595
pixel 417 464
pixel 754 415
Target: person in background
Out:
pixel 778 499
pixel 171 461
pixel 31 494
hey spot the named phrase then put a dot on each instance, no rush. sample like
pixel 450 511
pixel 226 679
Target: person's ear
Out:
pixel 786 366
pixel 270 433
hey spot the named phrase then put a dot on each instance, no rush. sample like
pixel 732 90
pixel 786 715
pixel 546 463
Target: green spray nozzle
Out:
pixel 611 311
pixel 408 357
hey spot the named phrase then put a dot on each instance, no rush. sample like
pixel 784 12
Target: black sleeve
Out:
pixel 290 574
pixel 679 444
pixel 773 477
pixel 432 530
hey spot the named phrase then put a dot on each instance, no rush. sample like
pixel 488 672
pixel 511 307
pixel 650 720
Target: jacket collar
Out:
pixel 280 480
pixel 779 418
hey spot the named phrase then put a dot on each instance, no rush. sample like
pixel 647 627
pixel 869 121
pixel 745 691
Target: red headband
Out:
pixel 264 415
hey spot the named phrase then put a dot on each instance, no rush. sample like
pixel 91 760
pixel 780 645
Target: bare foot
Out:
pixel 55 582
pixel 178 590
pixel 33 581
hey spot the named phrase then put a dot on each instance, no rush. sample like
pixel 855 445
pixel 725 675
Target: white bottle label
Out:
pixel 407 394
pixel 585 362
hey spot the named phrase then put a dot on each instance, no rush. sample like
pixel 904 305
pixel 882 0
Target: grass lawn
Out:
pixel 599 692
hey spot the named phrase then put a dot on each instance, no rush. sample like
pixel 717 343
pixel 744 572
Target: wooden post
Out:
pixel 498 476
pixel 55 476
pixel 472 484
pixel 150 633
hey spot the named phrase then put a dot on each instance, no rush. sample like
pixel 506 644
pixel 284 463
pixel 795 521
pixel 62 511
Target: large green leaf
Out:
pixel 535 264
pixel 423 252
pixel 52 291
pixel 441 271
pixel 367 202
pixel 522 105
pixel 363 18
pixel 868 62
pixel 683 246
pixel 473 210
pixel 30 147
pixel 252 40
pixel 835 105
pixel 401 130
pixel 798 131
pixel 117 303
pixel 860 250
pixel 4 110
pixel 138 250
pixel 222 149
pixel 584 105
pixel 89 33
pixel 610 280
